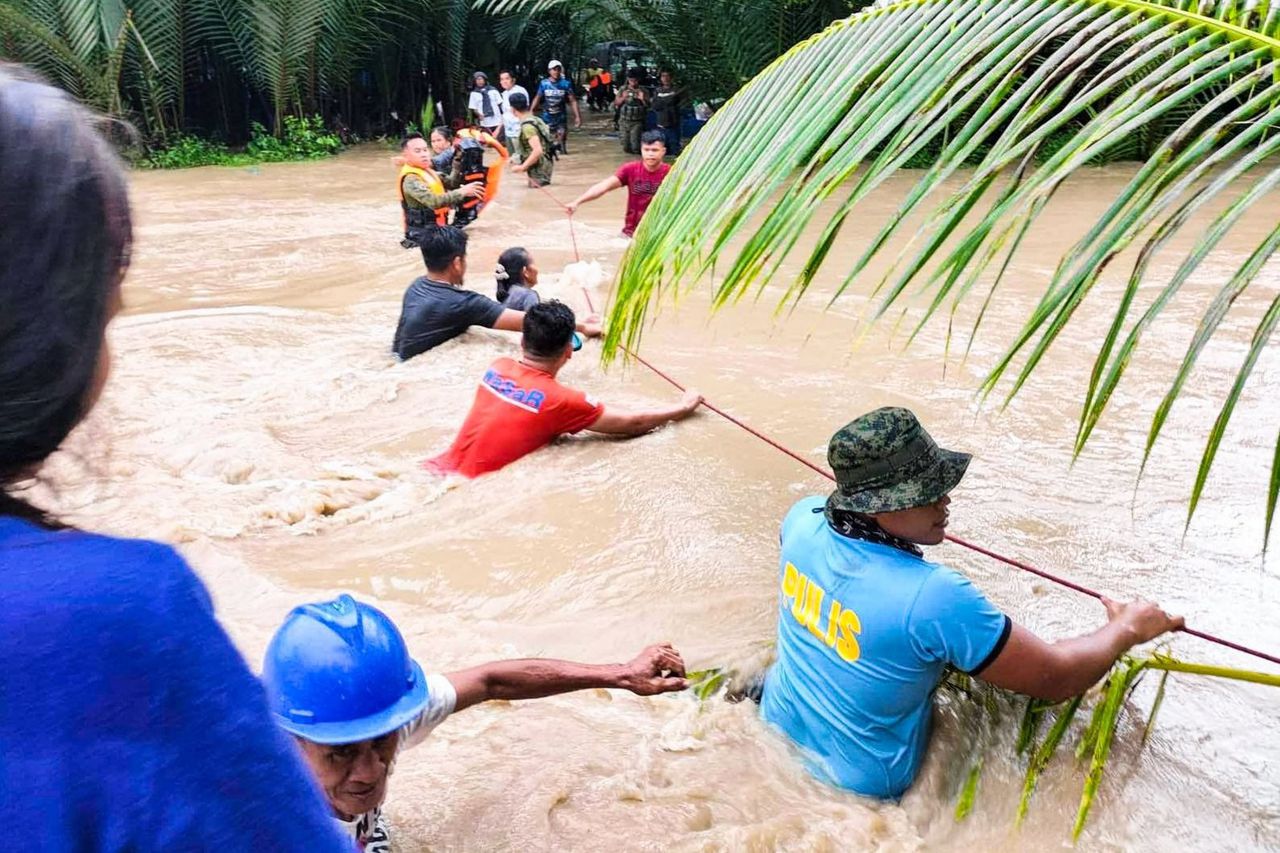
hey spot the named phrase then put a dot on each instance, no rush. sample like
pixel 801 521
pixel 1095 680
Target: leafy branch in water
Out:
pixel 1098 735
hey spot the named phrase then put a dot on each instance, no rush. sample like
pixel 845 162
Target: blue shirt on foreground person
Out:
pixel 128 721
pixel 864 633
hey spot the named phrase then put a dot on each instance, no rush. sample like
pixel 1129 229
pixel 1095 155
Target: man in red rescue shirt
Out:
pixel 641 178
pixel 520 407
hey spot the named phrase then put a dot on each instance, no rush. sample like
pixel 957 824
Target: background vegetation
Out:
pixel 210 69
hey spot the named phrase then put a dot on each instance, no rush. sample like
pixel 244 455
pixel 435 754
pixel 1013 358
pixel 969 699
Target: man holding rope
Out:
pixel 867 626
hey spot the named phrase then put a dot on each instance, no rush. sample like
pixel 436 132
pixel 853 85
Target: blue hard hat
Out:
pixel 339 672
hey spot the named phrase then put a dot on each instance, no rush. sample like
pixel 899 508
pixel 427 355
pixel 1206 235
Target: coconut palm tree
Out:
pixel 1004 100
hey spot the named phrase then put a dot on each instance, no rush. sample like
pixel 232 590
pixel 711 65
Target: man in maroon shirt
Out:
pixel 641 178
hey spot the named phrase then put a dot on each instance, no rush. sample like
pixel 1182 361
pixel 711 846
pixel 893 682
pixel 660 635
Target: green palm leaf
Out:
pixel 1007 99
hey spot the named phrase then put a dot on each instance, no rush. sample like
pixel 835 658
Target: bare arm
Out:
pixel 595 191
pixel 510 321
pixel 1058 671
pixel 537 99
pixel 657 669
pixel 577 115
pixel 534 155
pixel 614 422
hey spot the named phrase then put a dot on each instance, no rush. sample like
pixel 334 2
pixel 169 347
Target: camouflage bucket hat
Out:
pixel 885 461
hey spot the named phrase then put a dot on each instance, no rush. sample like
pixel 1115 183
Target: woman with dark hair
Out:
pixel 517 276
pixel 442 149
pixel 128 721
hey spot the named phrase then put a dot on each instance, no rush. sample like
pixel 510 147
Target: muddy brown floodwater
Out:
pixel 257 420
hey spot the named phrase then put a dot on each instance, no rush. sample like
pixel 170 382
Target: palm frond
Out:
pixel 1009 98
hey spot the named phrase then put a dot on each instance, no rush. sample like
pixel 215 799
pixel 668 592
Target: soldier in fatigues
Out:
pixel 633 106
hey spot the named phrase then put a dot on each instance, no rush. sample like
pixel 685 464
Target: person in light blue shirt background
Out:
pixel 867 626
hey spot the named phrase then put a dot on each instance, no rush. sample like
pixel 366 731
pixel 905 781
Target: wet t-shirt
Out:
pixel 128 720
pixel 369 830
pixel 517 410
pixel 554 95
pixel 434 312
pixel 865 632
pixel 641 185
pixel 520 298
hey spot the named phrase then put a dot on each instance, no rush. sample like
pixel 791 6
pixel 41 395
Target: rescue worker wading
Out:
pixel 426 196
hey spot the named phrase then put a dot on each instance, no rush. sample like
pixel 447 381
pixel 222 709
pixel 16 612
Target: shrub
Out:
pixel 303 139
pixel 187 151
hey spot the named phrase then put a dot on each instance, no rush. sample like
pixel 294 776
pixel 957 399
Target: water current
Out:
pixel 257 420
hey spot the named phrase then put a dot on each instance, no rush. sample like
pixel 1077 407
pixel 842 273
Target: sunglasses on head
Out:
pixel 577 342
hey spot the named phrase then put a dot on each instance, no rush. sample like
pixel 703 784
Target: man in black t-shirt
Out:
pixel 436 308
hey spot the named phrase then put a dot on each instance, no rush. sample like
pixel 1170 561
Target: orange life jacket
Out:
pixel 492 175
pixel 606 78
pixel 416 217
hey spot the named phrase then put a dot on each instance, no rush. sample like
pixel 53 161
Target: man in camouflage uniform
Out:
pixel 867 626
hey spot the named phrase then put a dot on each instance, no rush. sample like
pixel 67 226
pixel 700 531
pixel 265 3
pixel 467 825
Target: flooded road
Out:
pixel 257 420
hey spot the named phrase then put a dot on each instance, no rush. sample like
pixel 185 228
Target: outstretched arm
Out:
pixel 595 191
pixel 621 422
pixel 657 669
pixel 1058 671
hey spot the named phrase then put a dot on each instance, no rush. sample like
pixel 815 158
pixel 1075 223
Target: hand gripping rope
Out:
pixel 964 543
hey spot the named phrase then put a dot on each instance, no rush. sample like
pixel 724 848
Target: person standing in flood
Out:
pixel 641 178
pixel 425 196
pixel 632 103
pixel 437 308
pixel 510 121
pixel 343 684
pixel 485 105
pixel 539 161
pixel 517 276
pixel 128 720
pixel 667 100
pixel 521 407
pixel 867 626
pixel 555 96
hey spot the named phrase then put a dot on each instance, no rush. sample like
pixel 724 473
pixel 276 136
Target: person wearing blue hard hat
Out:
pixel 339 678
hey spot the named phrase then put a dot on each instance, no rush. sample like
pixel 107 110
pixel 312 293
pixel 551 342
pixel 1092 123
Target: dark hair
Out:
pixel 511 264
pixel 445 131
pixel 409 137
pixel 65 235
pixel 441 244
pixel 508 72
pixel 548 329
pixel 518 101
pixel 652 137
pixel 635 73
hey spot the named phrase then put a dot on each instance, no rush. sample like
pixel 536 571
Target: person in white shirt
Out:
pixel 485 105
pixel 511 121
pixel 339 678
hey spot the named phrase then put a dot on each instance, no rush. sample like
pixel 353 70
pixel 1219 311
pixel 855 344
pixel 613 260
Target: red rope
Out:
pixel 964 543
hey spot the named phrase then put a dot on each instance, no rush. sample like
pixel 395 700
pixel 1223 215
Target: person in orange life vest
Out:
pixel 520 407
pixel 426 196
pixel 641 178
pixel 437 308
